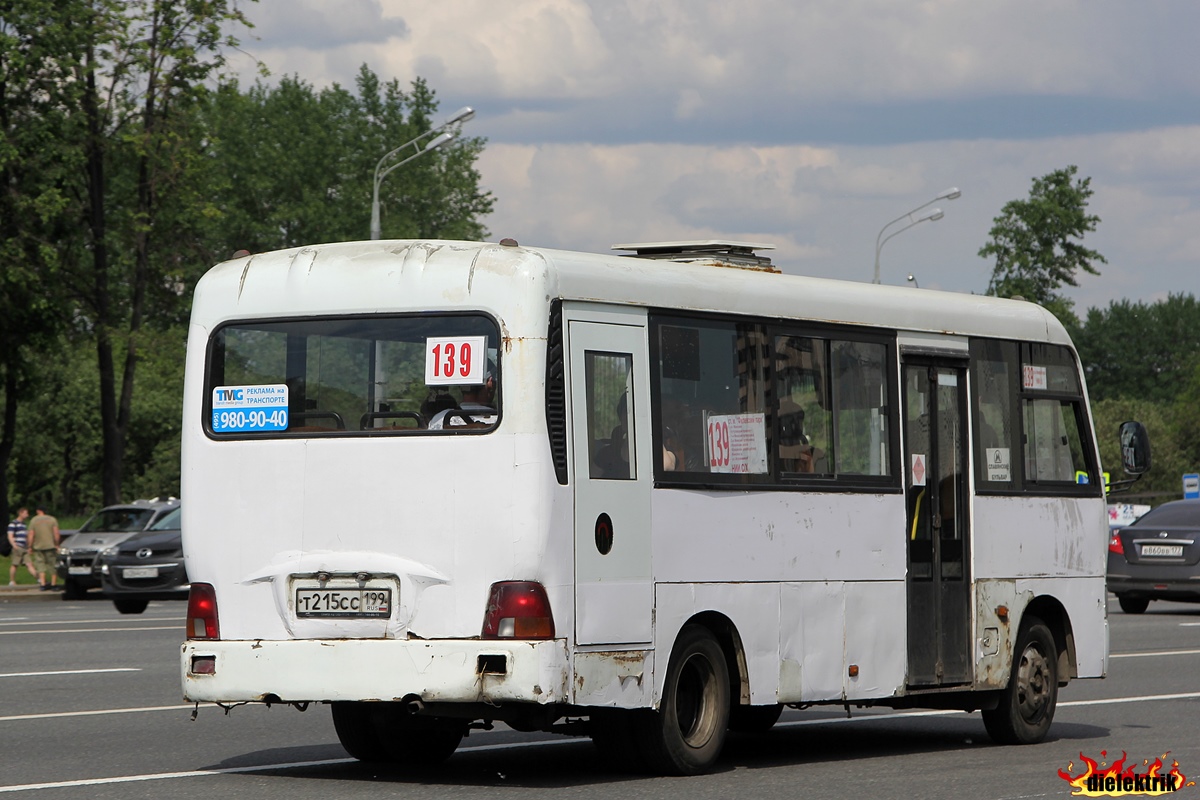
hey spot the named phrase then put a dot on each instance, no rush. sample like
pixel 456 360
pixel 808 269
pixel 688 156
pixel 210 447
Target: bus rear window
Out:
pixel 433 375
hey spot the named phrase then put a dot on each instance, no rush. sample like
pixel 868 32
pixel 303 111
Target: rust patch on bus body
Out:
pixel 996 635
pixel 614 678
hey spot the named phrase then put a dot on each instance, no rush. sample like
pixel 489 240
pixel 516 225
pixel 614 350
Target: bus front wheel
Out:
pixel 1026 706
pixel 386 732
pixel 685 736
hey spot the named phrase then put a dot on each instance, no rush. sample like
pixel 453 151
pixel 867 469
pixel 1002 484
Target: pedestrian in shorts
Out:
pixel 18 539
pixel 44 539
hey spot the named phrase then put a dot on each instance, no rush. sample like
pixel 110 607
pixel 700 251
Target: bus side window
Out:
pixel 801 383
pixel 994 367
pixel 609 417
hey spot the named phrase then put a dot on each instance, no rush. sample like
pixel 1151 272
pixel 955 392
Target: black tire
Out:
pixel 1133 605
pixel 753 719
pixel 130 605
pixel 387 733
pixel 686 734
pixel 72 590
pixel 1027 704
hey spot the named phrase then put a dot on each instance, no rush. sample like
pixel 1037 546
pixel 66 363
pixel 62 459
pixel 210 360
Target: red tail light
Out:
pixel 1114 544
pixel 202 612
pixel 518 610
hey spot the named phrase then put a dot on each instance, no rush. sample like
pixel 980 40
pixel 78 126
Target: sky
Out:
pixel 808 126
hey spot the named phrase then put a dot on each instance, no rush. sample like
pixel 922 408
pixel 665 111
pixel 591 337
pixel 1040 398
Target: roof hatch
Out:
pixel 713 252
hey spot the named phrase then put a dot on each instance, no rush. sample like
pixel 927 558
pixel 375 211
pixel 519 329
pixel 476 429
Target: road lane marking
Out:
pixel 68 672
pixel 95 630
pixel 158 776
pixel 1155 653
pixel 147 618
pixel 96 713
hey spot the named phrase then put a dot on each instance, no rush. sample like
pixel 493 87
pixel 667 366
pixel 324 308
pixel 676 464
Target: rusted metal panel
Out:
pixel 612 678
pixel 995 635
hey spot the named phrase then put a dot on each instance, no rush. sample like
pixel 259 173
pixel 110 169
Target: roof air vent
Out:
pixel 712 252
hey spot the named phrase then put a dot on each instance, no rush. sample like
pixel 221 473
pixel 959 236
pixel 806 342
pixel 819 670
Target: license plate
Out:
pixel 79 570
pixel 140 572
pixel 313 601
pixel 1162 550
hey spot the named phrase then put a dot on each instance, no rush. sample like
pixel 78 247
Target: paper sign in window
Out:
pixel 998 464
pixel 455 360
pixel 737 443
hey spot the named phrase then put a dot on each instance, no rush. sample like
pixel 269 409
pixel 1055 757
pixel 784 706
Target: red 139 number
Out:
pixel 444 364
pixel 718 444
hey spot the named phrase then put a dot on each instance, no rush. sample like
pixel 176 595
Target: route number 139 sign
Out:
pixel 455 360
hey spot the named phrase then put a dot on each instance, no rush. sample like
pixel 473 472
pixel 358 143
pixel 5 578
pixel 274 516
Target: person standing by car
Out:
pixel 44 539
pixel 19 542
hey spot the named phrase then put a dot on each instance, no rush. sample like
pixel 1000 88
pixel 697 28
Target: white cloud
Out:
pixel 807 125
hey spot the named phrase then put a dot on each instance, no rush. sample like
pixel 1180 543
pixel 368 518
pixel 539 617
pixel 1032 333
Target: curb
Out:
pixel 27 593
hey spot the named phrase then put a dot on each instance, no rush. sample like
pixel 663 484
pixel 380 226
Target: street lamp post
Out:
pixel 462 115
pixel 913 280
pixel 932 216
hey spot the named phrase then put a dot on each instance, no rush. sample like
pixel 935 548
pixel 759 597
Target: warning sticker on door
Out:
pixel 918 469
pixel 997 464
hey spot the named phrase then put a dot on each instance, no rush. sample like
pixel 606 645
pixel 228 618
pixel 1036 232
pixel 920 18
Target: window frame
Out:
pixel 1018 397
pixel 771 328
pixel 210 359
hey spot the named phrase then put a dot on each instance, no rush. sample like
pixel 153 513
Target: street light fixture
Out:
pixel 913 280
pixel 462 115
pixel 950 194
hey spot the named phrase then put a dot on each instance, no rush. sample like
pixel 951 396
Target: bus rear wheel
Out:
pixel 1027 704
pixel 686 734
pixel 387 733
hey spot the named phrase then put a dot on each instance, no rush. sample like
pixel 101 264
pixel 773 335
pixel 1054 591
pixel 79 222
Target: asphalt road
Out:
pixel 90 707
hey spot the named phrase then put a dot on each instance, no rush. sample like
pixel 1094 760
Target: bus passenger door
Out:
pixel 610 430
pixel 938 586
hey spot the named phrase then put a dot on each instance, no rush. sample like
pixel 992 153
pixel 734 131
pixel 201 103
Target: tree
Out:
pixel 143 66
pixel 1036 242
pixel 1140 350
pixel 294 166
pixel 36 42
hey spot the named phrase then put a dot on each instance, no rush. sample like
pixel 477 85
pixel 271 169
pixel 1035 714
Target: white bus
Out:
pixel 647 498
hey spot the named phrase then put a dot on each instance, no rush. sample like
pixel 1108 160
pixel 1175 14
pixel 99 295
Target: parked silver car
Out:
pixel 78 564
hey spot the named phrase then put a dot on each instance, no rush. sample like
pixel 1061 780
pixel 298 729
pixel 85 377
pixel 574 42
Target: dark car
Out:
pixel 78 554
pixel 1157 557
pixel 146 566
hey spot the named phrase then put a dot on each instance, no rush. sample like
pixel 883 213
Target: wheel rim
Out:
pixel 695 699
pixel 1035 684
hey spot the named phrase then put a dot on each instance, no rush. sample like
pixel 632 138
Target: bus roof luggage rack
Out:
pixel 712 252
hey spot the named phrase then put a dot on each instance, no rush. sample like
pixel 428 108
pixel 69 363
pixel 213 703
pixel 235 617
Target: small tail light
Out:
pixel 1114 544
pixel 202 612
pixel 518 610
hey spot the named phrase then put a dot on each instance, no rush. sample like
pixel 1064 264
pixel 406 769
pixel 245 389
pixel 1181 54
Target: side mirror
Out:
pixel 1135 448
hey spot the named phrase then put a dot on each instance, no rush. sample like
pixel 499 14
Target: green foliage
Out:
pixel 1035 242
pixel 123 176
pixel 294 166
pixel 1170 457
pixel 1143 350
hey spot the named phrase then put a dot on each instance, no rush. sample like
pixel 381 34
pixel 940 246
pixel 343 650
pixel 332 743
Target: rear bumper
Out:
pixel 1185 589
pixel 315 670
